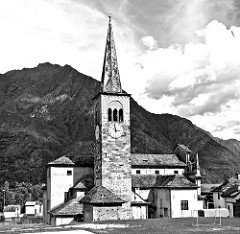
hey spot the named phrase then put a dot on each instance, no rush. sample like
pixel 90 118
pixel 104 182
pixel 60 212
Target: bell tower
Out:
pixel 112 159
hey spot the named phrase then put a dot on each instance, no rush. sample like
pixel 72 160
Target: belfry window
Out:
pixel 109 114
pixel 121 115
pixel 115 115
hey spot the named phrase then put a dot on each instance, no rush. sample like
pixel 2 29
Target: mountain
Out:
pixel 46 112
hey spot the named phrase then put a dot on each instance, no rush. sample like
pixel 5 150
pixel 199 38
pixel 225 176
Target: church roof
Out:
pixel 156 160
pixel 64 160
pixel 85 183
pixel 71 207
pixel 162 181
pixel 101 195
pixel 110 73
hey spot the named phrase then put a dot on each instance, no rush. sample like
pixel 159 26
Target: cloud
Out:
pixel 149 42
pixel 201 77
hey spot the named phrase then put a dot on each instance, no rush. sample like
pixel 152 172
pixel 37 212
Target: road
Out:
pixel 64 232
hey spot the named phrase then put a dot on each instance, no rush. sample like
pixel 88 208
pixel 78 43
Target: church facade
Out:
pixel 121 185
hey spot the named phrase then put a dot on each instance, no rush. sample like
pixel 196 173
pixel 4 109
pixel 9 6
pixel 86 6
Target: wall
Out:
pixel 162 171
pixel 30 210
pixel 107 213
pixel 139 212
pixel 60 182
pixel 218 203
pixel 161 199
pixel 193 203
pixel 45 206
pixel 229 204
pixel 63 220
pixel 88 213
pixel 143 193
pixel 216 212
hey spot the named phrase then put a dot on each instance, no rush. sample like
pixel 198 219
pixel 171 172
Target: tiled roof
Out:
pixel 11 208
pixel 226 185
pixel 62 161
pixel 84 183
pixel 207 188
pixel 233 191
pixel 162 181
pixel 156 160
pixel 185 148
pixel 101 195
pixel 71 207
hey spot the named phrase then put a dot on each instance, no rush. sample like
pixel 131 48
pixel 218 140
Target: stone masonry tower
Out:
pixel 112 164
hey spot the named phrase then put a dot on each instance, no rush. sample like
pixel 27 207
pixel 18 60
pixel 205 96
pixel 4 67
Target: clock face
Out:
pixel 97 132
pixel 115 130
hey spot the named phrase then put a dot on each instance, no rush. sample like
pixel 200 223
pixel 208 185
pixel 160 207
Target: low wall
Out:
pixel 223 212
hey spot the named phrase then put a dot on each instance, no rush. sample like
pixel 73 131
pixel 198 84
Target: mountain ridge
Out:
pixel 46 111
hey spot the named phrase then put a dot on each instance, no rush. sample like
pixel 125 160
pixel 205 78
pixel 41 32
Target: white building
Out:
pixel 33 208
pixel 169 195
pixel 12 211
pixel 227 195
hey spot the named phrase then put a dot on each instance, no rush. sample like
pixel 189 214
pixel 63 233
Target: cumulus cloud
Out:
pixel 200 77
pixel 149 42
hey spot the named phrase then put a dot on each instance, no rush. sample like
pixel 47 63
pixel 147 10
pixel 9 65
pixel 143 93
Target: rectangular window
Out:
pixel 157 172
pixel 175 172
pixel 184 204
pixel 69 173
pixel 138 172
pixel 218 196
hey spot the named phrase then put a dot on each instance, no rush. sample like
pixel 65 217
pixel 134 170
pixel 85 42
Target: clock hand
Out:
pixel 115 127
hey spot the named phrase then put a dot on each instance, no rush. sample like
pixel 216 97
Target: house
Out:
pixel 171 195
pixel 12 211
pixel 227 195
pixel 66 212
pixel 120 185
pixel 207 194
pixel 34 208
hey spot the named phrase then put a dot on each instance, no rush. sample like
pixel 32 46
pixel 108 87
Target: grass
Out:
pixel 171 226
pixel 151 226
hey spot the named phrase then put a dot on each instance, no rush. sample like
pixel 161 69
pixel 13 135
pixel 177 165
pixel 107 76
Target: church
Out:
pixel 120 185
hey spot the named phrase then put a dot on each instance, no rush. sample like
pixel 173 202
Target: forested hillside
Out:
pixel 46 112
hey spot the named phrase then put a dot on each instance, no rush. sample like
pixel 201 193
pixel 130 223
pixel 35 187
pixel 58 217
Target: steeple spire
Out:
pixel 110 74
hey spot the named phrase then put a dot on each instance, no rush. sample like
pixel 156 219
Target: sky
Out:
pixel 175 56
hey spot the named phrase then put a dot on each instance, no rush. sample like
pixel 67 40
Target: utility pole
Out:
pixel 3 198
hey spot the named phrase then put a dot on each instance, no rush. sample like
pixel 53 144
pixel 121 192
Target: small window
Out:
pixel 69 173
pixel 138 172
pixel 65 196
pixel 175 172
pixel 157 172
pixel 184 204
pixel 121 115
pixel 109 114
pixel 218 196
pixel 115 115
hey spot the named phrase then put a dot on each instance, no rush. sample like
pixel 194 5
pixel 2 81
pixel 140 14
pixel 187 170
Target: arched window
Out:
pixel 121 115
pixel 115 115
pixel 109 114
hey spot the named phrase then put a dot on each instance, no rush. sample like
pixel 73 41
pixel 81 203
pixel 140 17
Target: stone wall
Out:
pixel 113 155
